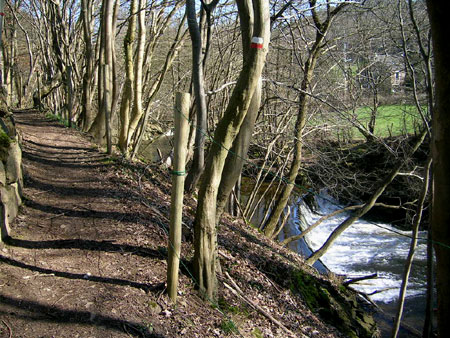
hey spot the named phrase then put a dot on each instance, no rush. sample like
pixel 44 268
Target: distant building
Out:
pixel 395 66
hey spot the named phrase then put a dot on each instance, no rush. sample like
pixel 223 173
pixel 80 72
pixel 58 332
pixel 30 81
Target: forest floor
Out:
pixel 87 254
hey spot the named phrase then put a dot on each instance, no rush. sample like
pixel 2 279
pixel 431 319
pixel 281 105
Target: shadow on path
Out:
pixel 84 244
pixel 97 279
pixel 88 213
pixel 36 311
pixel 85 149
pixel 57 163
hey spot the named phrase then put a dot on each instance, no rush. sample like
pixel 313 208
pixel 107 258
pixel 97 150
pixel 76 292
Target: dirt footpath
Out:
pixel 79 263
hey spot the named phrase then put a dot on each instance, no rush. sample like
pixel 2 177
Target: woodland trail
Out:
pixel 79 253
pixel 87 254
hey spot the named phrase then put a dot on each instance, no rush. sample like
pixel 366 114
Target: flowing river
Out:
pixel 364 249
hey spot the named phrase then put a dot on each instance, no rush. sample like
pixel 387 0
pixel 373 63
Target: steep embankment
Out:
pixel 87 257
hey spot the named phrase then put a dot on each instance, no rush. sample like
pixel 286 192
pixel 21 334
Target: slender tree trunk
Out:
pixel 23 87
pixel 107 106
pixel 127 96
pixel 69 98
pixel 205 236
pixel 87 114
pixel 97 129
pixel 412 249
pixel 107 72
pixel 2 8
pixel 437 11
pixel 137 105
pixel 106 56
pixel 181 113
pixel 236 158
pixel 198 161
pixel 114 76
pixel 283 199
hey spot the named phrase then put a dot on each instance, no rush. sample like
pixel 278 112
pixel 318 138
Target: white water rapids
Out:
pixel 363 249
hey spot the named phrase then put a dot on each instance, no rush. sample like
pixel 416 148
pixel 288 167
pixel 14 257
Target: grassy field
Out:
pixel 392 120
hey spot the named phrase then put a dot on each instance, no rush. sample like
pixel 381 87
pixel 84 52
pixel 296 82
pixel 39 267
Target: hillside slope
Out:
pixel 87 258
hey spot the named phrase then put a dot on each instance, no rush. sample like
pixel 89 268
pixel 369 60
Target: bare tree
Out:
pixel 101 127
pixel 321 27
pixel 197 37
pixel 238 154
pixel 87 20
pixel 205 235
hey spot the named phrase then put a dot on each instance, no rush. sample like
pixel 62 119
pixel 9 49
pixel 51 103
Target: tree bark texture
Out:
pixel 237 156
pixel 127 96
pixel 2 7
pixel 137 110
pixel 86 99
pixel 200 98
pixel 205 235
pixel 437 11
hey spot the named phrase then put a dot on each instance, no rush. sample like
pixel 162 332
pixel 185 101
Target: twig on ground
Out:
pixel 41 192
pixel 9 328
pixel 55 216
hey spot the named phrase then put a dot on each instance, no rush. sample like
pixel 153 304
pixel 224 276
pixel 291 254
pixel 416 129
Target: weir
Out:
pixel 363 249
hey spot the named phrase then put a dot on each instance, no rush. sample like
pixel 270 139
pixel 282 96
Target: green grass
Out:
pixel 392 120
pixel 57 118
pixel 228 327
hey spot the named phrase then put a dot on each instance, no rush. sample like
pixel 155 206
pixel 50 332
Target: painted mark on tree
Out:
pixel 257 42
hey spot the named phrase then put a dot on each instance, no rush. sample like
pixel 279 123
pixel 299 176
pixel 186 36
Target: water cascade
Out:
pixel 363 249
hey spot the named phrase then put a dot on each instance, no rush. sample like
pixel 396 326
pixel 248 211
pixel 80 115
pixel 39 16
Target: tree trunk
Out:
pixel 69 98
pixel 107 72
pixel 412 249
pixel 107 37
pixel 137 105
pixel 200 99
pixel 2 7
pixel 97 129
pixel 237 156
pixel 127 96
pixel 205 236
pixel 176 205
pixel 437 11
pixel 107 106
pixel 87 113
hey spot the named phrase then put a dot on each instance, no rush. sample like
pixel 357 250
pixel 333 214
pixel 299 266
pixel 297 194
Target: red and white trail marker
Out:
pixel 257 42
